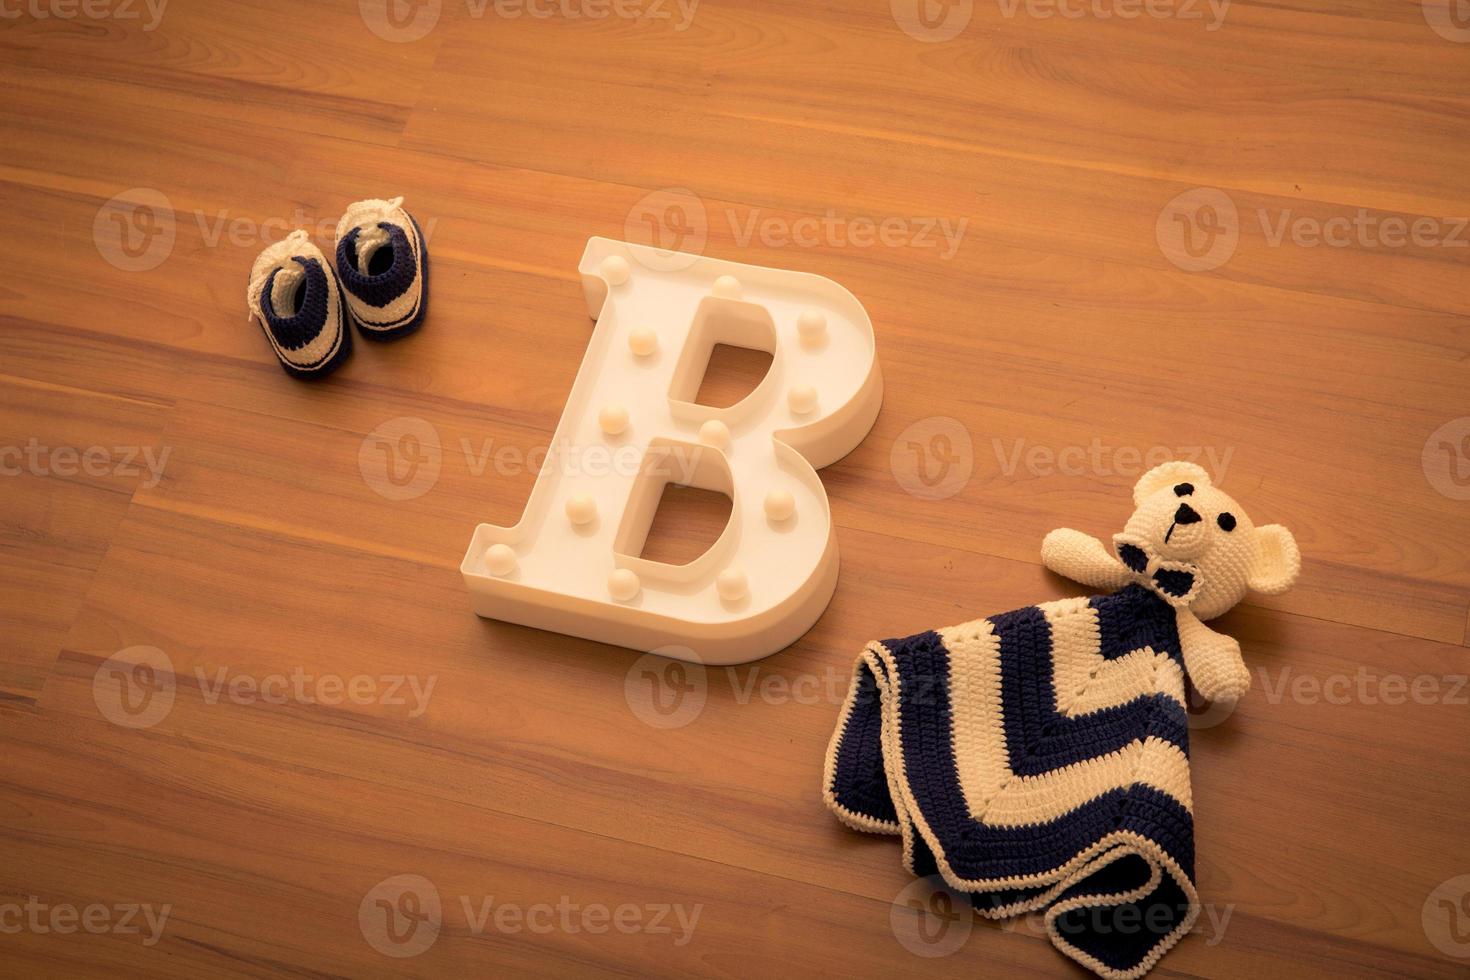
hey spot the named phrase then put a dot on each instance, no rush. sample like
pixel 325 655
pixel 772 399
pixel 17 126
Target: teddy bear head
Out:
pixel 1198 547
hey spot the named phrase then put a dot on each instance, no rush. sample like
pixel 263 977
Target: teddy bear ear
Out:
pixel 1277 562
pixel 1167 475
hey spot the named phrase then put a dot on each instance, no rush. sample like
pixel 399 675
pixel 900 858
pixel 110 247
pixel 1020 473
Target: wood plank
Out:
pixel 70 460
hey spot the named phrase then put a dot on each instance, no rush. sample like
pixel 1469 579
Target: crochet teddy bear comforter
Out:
pixel 1038 760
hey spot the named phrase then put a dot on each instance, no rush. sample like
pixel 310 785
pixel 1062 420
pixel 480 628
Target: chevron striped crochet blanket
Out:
pixel 1038 761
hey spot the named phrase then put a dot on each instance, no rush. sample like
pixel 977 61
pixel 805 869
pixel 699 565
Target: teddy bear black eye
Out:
pixel 1226 522
pixel 1183 489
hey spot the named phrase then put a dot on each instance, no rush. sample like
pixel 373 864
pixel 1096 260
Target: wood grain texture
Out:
pixel 1051 336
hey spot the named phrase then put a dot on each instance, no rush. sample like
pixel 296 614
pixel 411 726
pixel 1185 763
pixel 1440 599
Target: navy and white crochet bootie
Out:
pixel 296 296
pixel 384 264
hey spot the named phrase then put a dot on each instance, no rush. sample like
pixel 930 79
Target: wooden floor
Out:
pixel 1242 240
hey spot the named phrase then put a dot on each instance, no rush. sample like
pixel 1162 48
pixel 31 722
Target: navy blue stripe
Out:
pixel 859 782
pixel 386 286
pixel 412 320
pixel 1135 618
pixel 306 323
pixel 1122 935
pixel 333 359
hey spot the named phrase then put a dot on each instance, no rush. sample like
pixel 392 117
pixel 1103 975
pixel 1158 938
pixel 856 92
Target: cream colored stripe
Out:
pixel 1083 681
pixel 1037 799
pixel 1120 681
pixel 979 735
pixel 1076 649
pixel 1165 768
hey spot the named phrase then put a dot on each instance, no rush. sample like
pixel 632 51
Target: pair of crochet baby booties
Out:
pixel 380 281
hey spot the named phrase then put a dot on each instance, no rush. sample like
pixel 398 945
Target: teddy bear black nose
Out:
pixel 1183 489
pixel 1186 515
